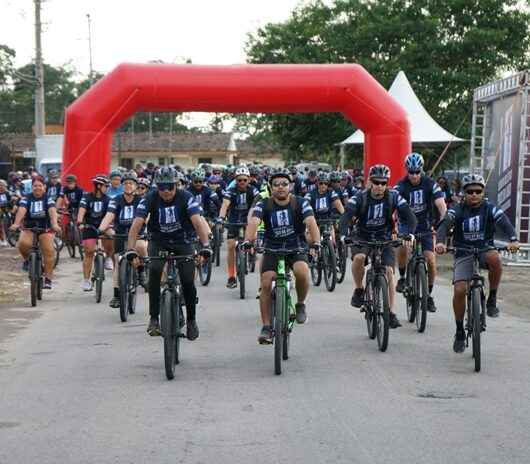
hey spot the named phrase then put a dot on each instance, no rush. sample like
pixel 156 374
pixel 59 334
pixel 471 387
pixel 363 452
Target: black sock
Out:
pixel 493 294
pixel 460 326
pixel 116 292
pixel 430 289
pixel 402 271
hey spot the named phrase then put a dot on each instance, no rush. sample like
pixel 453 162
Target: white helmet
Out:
pixel 242 171
pixel 473 179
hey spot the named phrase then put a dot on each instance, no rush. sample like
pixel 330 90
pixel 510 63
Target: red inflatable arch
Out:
pixel 347 89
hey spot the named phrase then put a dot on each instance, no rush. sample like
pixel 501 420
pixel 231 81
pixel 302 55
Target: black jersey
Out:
pixel 37 210
pixel 73 196
pixel 96 208
pixel 124 212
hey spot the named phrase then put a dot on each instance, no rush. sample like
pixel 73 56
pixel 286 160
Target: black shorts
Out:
pixel 89 233
pixel 388 258
pixel 232 232
pixel 270 261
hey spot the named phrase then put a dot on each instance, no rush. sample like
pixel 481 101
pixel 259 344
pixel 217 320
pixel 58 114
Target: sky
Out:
pixel 206 31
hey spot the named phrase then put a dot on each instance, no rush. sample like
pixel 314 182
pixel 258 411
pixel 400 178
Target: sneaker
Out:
pixel 459 344
pixel 3 243
pixel 47 284
pixel 400 285
pixel 258 293
pixel 109 265
pixel 357 299
pixel 265 336
pixel 86 285
pixel 231 283
pixel 301 315
pixel 491 308
pixel 153 328
pixel 192 330
pixel 25 266
pixel 431 307
pixel 115 302
pixel 393 322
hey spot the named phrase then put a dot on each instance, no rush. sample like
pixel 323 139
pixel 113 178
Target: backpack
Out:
pixel 297 212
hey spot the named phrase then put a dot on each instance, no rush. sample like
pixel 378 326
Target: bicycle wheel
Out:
pixel 382 312
pixel 70 240
pixel 278 327
pixel 123 279
pixel 316 271
pixel 241 264
pixel 252 262
pixel 369 313
pixel 99 274
pixel 12 237
pixel 33 278
pixel 39 277
pixel 205 271
pixel 133 288
pixel 410 297
pixel 58 245
pixel 217 246
pixel 329 267
pixel 476 326
pixel 168 328
pixel 342 260
pixel 422 294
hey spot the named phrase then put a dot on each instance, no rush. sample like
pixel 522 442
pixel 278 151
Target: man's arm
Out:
pixel 251 231
pixel 107 220
pixel 441 205
pixel 337 204
pixel 136 226
pixel 201 227
pixel 445 226
pixel 224 208
pixel 312 227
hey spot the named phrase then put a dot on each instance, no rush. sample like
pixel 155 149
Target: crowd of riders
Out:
pixel 140 212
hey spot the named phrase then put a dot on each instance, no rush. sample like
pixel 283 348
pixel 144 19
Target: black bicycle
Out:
pixel 98 268
pixel 325 263
pixel 376 306
pixel 416 291
pixel 128 283
pixel 475 301
pixel 35 266
pixel 203 265
pixel 171 313
pixel 72 238
pixel 217 241
pixel 241 256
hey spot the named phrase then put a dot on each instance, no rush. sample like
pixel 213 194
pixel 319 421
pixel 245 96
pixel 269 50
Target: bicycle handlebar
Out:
pixel 475 250
pixel 235 224
pixel 283 251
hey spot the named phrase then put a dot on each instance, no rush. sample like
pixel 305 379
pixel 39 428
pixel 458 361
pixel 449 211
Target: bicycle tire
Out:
pixel 123 279
pixel 33 276
pixel 217 246
pixel 39 277
pixel 99 273
pixel 133 289
pixel 241 273
pixel 279 310
pixel 382 312
pixel 422 294
pixel 12 237
pixel 316 271
pixel 329 267
pixel 369 311
pixel 476 327
pixel 58 245
pixel 169 332
pixel 70 240
pixel 205 271
pixel 410 297
pixel 341 262
pixel 252 262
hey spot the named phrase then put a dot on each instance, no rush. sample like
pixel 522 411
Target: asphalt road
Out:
pixel 78 386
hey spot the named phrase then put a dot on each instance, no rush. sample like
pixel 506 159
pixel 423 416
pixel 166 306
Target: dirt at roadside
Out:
pixel 12 279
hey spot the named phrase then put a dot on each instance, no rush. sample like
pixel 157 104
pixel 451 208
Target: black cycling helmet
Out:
pixel 100 179
pixel 312 172
pixel 166 175
pixel 253 170
pixel 379 171
pixel 280 172
pixel 131 175
pixel 323 176
pixel 334 176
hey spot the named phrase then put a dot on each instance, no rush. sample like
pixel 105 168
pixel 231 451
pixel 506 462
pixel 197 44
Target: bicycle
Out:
pixel 128 283
pixel 204 266
pixel 98 268
pixel 475 302
pixel 283 314
pixel 416 291
pixel 6 219
pixel 241 256
pixel 72 238
pixel 171 314
pixel 376 306
pixel 325 264
pixel 35 270
pixel 217 241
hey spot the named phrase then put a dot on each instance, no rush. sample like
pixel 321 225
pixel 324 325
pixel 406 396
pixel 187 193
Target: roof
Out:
pixel 18 142
pixel 423 128
pixel 162 141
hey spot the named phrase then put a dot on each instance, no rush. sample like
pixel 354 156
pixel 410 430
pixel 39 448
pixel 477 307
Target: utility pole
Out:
pixel 90 76
pixel 40 121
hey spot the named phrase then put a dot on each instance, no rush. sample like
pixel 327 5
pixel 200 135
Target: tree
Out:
pixel 446 47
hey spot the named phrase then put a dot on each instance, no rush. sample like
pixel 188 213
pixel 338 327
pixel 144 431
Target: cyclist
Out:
pixel 297 181
pixel 53 187
pixel 421 193
pixel 373 208
pixel 214 182
pixel 255 179
pixel 92 209
pixel 335 184
pixel 237 201
pixel 174 217
pixel 285 217
pixel 116 187
pixel 120 215
pixel 6 207
pixel 202 193
pixel 474 221
pixel 38 210
pixel 69 198
pixel 310 182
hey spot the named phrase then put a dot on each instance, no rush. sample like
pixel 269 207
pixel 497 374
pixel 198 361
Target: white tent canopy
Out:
pixel 424 129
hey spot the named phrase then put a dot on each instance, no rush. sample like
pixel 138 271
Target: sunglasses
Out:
pixel 241 180
pixel 198 182
pixel 474 192
pixel 414 173
pixel 164 187
pixel 143 187
pixel 280 184
pixel 379 182
pixel 322 183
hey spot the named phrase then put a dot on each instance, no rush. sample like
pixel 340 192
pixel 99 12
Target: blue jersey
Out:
pixel 206 198
pixel 96 208
pixel 73 196
pixel 240 202
pixel 53 190
pixel 114 192
pixel 37 214
pixel 124 212
pixel 421 199
pixel 322 203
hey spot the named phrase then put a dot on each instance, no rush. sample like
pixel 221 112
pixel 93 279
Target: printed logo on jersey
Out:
pixel 168 219
pixel 3 199
pixel 417 201
pixel 322 204
pixel 98 207
pixel 472 228
pixel 241 201
pixel 281 223
pixel 37 209
pixel 375 215
pixel 127 214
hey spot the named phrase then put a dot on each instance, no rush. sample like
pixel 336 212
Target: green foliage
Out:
pixel 446 47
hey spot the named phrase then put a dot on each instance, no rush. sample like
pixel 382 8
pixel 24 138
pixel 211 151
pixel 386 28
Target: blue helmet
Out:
pixel 414 162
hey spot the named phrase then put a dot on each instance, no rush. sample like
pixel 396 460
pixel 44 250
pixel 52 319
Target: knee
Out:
pixel 460 289
pixel 266 282
pixel 358 260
